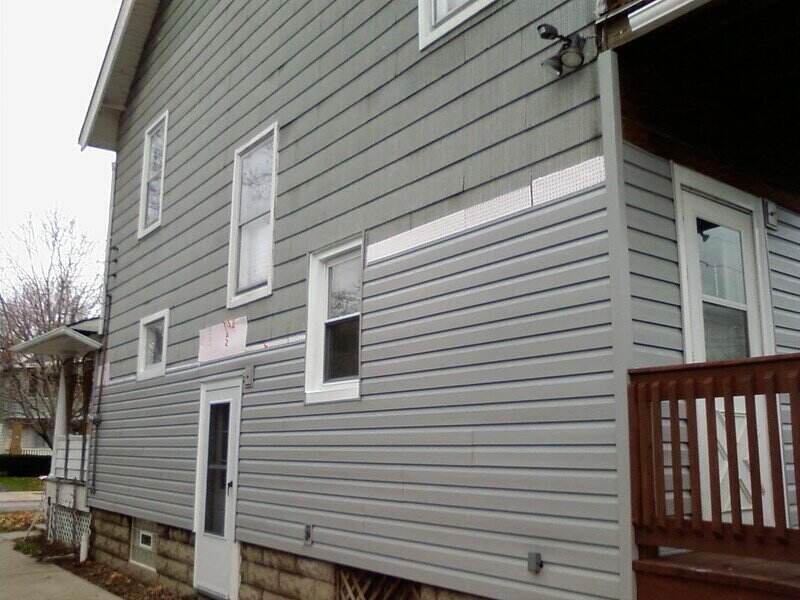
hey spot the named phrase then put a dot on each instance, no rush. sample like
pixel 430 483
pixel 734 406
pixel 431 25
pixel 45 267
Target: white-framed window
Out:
pixel 153 345
pixel 252 215
pixel 143 543
pixel 437 17
pixel 145 539
pixel 152 187
pixel 333 335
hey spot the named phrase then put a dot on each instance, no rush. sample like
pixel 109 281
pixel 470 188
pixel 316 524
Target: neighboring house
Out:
pixel 377 277
pixel 17 433
pixel 75 346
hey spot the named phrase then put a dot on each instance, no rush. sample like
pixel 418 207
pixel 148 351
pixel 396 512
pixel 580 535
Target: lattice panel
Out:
pixel 354 584
pixel 67 526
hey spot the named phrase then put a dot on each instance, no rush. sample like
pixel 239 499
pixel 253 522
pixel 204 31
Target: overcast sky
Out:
pixel 50 55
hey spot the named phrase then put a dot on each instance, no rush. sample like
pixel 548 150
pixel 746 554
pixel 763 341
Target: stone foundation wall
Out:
pixel 266 574
pixel 274 575
pixel 174 549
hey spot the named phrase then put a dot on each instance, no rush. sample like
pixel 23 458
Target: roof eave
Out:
pixel 61 341
pixel 99 129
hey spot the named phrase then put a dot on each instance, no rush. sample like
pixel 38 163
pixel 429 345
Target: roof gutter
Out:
pixel 638 18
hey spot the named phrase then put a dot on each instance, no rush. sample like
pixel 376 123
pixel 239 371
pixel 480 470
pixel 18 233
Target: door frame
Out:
pixel 684 179
pixel 234 430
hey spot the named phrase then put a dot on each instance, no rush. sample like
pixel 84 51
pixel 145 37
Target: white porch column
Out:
pixel 60 429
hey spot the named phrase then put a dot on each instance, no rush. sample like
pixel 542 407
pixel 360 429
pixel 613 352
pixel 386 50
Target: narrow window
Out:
pixel 437 17
pixel 334 324
pixel 153 345
pixel 253 203
pixel 152 189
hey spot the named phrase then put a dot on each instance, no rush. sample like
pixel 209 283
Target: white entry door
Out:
pixel 215 554
pixel 726 312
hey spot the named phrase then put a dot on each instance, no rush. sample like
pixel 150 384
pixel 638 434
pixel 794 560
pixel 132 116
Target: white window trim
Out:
pixel 317 390
pixel 139 541
pixel 684 178
pixel 429 33
pixel 234 299
pixel 142 231
pixel 144 371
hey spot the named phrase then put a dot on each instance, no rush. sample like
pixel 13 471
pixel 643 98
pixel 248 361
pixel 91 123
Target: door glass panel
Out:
pixel 725 331
pixel 721 263
pixel 217 470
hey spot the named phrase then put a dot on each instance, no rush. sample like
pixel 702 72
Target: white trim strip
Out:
pixel 250 350
pixel 451 224
pixel 571 180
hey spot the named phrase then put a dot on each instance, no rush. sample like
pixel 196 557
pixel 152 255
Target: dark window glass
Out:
pixel 341 349
pixel 217 471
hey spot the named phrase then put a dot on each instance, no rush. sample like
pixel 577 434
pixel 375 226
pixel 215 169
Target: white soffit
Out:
pixel 110 94
pixel 62 341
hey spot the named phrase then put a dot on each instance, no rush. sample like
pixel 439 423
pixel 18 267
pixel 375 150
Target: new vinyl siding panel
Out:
pixel 485 426
pixel 653 248
pixel 783 246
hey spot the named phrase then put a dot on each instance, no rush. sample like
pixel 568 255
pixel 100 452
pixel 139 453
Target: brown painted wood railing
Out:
pixel 669 501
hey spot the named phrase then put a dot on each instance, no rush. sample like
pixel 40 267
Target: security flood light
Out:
pixel 569 56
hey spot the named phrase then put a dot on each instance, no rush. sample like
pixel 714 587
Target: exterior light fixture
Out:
pixel 570 56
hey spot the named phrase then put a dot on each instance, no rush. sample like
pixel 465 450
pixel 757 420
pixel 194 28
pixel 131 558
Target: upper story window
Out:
pixel 152 188
pixel 334 324
pixel 437 17
pixel 152 360
pixel 252 208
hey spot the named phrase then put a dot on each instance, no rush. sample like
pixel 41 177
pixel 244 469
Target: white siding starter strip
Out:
pixel 549 187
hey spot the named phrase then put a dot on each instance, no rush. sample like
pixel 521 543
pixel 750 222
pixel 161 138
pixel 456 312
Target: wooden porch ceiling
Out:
pixel 719 91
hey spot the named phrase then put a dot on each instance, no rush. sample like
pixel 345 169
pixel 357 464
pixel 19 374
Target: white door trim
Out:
pixel 233 466
pixel 687 180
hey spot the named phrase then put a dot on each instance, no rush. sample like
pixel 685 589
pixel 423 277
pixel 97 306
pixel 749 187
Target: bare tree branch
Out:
pixel 54 284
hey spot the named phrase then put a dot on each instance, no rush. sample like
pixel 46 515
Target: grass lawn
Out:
pixel 20 484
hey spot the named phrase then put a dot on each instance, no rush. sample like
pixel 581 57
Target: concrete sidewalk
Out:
pixel 14 501
pixel 24 577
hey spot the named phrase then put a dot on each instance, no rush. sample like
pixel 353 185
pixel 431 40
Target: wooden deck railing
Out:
pixel 693 485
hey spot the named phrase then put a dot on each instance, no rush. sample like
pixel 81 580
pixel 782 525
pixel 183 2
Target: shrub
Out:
pixel 14 465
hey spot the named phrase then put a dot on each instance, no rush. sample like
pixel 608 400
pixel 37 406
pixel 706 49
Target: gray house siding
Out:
pixel 370 130
pixel 653 247
pixel 451 483
pixel 783 246
pixel 486 423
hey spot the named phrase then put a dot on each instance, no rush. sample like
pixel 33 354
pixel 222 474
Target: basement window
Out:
pixel 252 216
pixel 437 17
pixel 152 186
pixel 334 324
pixel 152 360
pixel 143 543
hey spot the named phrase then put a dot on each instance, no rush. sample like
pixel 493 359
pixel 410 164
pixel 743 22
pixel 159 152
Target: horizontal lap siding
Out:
pixel 146 445
pixel 653 247
pixel 485 427
pixel 371 129
pixel 783 246
pixel 424 478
